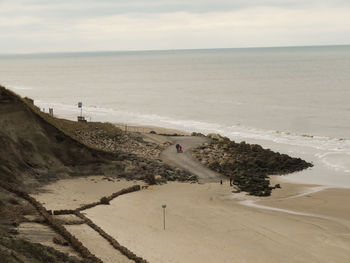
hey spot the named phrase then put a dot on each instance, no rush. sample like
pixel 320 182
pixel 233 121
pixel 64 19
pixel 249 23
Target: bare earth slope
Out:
pixel 34 150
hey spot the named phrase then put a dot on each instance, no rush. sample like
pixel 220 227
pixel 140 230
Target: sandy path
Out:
pixel 186 161
pixel 206 223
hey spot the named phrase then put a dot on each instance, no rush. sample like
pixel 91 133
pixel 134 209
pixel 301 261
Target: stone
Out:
pixel 250 164
pixel 60 241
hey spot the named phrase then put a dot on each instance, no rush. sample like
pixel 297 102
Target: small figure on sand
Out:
pixel 231 179
pixel 178 148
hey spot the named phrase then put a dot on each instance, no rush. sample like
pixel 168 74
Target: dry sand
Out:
pixel 207 223
pixel 39 233
pixel 75 192
pixel 97 244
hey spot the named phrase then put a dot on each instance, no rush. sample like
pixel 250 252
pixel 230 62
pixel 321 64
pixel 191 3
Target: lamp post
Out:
pixel 164 206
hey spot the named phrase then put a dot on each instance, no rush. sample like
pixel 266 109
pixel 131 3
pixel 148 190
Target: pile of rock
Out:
pixel 250 164
pixel 151 171
pixel 122 142
pixel 135 158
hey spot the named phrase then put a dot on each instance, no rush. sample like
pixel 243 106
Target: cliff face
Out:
pixel 32 149
pixel 36 148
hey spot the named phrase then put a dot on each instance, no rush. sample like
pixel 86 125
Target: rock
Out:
pixel 250 164
pixel 107 179
pixel 15 223
pixel 192 178
pixel 104 200
pixel 197 134
pixel 214 136
pixel 60 241
pixel 13 231
pixel 150 179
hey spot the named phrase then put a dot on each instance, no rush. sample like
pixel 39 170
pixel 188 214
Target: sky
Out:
pixel 32 26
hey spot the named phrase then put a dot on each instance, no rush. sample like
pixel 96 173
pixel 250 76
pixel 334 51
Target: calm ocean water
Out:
pixel 294 100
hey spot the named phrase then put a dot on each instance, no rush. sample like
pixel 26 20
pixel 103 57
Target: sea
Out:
pixel 295 100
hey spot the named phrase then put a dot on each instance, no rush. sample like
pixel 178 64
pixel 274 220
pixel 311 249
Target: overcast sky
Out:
pixel 28 26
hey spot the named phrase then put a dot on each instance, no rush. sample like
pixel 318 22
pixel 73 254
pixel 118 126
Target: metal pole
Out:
pixel 164 206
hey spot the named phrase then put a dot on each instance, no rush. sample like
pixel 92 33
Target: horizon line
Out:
pixel 165 50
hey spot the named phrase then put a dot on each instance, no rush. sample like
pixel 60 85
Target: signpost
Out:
pixel 164 206
pixel 80 105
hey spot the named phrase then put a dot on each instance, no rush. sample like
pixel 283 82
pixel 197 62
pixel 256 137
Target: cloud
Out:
pixel 255 18
pixel 127 25
pixel 18 21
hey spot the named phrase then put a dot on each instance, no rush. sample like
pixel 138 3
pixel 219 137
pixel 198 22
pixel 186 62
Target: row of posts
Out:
pixel 50 111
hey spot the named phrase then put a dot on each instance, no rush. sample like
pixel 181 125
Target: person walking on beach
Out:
pixel 231 179
pixel 177 147
pixel 180 149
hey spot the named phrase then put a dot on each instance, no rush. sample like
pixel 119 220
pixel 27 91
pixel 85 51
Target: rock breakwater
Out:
pixel 250 164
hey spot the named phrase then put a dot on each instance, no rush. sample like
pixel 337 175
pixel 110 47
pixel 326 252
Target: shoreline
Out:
pixel 146 129
pixel 294 199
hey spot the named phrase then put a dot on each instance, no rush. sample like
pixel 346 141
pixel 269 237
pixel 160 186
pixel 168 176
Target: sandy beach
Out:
pixel 73 193
pixel 209 223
